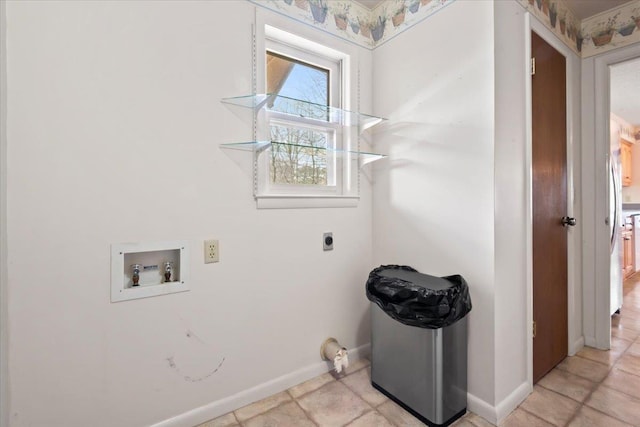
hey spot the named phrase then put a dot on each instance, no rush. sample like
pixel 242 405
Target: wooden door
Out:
pixel 549 161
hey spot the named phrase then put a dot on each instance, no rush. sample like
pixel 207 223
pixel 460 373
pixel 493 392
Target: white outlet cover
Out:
pixel 208 259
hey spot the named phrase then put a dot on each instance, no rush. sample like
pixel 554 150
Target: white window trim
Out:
pixel 335 137
pixel 334 166
pixel 267 27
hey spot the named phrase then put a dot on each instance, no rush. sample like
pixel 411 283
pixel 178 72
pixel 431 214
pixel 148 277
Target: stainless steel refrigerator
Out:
pixel 616 222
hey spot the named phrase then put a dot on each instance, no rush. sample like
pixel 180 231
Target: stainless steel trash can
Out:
pixel 423 370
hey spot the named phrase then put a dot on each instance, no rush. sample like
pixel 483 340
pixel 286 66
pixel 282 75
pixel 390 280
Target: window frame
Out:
pixel 334 132
pixel 334 167
pixel 346 193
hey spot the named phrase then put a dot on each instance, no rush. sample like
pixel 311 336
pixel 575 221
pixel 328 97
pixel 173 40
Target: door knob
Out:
pixel 567 220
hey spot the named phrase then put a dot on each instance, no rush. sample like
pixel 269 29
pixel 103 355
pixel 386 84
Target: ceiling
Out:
pixel 581 8
pixel 587 8
pixel 625 91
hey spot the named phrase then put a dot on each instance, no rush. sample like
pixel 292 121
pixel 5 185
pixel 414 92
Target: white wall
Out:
pixel 513 195
pixel 114 123
pixel 4 379
pixel 434 196
pixel 574 154
pixel 113 106
pixel 595 201
pixel 454 196
pixel 511 200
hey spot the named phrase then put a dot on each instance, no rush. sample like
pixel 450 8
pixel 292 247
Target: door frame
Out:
pixel 598 299
pixel 4 306
pixel 574 304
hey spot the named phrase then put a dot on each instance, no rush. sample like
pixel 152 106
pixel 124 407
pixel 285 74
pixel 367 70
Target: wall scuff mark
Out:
pixel 190 334
pixel 172 365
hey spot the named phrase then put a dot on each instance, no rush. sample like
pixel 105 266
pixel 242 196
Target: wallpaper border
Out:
pixel 355 23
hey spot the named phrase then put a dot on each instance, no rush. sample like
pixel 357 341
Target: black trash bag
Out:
pixel 417 299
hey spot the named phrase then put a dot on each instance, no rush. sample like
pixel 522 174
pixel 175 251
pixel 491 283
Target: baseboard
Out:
pixel 481 408
pixel 511 402
pixel 590 341
pixel 220 407
pixel 576 346
pixel 496 415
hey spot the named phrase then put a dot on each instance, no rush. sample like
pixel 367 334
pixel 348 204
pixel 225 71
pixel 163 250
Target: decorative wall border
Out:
pixel 611 29
pixel 354 22
pixel 351 21
pixel 600 33
pixel 556 16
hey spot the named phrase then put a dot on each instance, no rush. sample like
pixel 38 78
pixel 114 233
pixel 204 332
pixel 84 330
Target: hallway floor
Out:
pixel 594 388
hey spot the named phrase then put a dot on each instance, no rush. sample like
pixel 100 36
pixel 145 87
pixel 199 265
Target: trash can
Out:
pixel 419 341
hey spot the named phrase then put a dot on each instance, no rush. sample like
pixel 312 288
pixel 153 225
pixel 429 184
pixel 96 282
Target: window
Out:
pixel 301 149
pixel 309 153
pixel 299 155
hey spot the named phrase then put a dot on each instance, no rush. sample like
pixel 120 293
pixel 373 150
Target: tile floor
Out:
pixel 592 389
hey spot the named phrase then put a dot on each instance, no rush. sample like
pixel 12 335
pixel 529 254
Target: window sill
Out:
pixel 306 202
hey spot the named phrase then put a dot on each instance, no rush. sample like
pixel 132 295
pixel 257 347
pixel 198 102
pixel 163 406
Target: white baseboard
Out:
pixel 511 402
pixel 496 415
pixel 576 346
pixel 196 416
pixel 220 407
pixel 590 341
pixel 481 408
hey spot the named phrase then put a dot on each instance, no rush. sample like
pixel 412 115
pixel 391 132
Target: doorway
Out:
pixel 596 137
pixel 624 188
pixel 549 197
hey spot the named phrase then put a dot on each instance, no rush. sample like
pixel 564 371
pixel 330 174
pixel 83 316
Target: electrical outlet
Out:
pixel 211 251
pixel 327 241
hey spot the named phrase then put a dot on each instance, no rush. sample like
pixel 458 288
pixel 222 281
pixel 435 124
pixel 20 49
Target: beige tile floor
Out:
pixel 592 389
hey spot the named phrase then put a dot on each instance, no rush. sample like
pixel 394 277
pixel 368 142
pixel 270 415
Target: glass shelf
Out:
pixel 253 146
pixel 260 146
pixel 309 110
